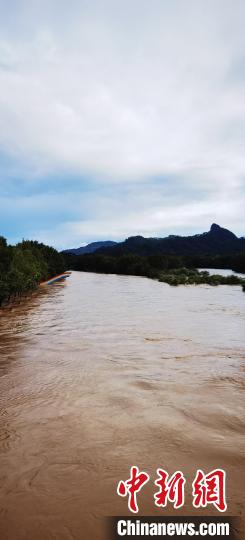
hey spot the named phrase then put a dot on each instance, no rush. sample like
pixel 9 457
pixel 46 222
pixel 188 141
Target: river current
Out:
pixel 103 372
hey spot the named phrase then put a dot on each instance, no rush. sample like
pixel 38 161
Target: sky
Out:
pixel 121 117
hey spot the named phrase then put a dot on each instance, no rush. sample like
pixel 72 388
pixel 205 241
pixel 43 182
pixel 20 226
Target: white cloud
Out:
pixel 126 91
pixel 123 94
pixel 118 221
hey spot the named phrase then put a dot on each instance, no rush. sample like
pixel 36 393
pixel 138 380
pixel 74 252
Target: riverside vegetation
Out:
pixel 171 269
pixel 24 266
pixel 173 259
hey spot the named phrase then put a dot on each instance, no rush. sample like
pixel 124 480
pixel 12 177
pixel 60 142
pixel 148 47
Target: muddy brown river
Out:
pixel 104 372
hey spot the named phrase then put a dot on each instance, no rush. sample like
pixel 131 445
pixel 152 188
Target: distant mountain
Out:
pixel 216 241
pixel 90 248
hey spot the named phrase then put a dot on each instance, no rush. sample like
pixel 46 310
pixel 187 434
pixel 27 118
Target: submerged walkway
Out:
pixel 59 277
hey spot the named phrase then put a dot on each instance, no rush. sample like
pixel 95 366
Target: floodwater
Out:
pixel 222 272
pixel 103 372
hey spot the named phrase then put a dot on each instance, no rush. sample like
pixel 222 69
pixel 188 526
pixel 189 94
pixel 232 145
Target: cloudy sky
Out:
pixel 121 117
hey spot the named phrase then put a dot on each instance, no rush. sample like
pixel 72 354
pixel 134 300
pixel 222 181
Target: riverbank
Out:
pixel 174 270
pixel 185 276
pixel 54 279
pixel 19 297
pixel 24 266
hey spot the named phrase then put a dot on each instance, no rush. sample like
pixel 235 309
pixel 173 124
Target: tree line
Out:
pixel 172 269
pixel 24 266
